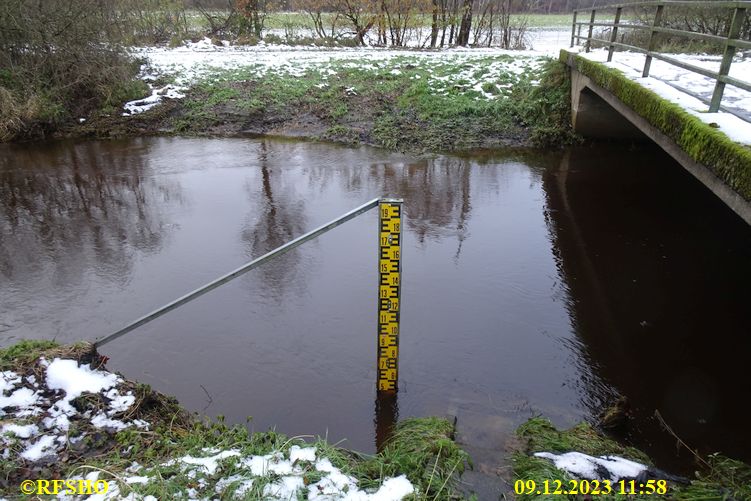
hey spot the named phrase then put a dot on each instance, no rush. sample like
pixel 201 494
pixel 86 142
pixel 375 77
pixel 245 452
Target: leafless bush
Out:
pixel 323 24
pixel 494 24
pixel 59 58
pixel 153 21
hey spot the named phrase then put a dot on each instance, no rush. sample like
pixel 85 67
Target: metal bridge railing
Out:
pixel 731 42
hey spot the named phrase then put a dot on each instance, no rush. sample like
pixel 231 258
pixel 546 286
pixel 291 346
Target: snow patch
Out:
pixel 588 467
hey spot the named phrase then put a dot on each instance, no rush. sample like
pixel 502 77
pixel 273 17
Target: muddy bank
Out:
pixel 360 125
pixel 394 110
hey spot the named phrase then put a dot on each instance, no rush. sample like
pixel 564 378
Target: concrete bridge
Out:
pixel 607 104
pixel 597 111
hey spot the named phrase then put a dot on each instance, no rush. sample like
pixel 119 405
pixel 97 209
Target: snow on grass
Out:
pixel 42 447
pixel 664 78
pixel 24 399
pixel 294 472
pixel 230 474
pixel 74 380
pixel 192 62
pixel 20 431
pixel 40 426
pixel 583 466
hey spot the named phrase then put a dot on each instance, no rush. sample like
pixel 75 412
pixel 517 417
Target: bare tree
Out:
pixel 466 24
pixel 362 14
pixel 317 11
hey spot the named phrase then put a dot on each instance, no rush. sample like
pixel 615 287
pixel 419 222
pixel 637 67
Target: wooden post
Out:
pixel 591 26
pixel 573 30
pixel 389 292
pixel 614 33
pixel 735 28
pixel 652 41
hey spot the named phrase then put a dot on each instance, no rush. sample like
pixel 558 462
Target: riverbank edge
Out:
pixel 404 118
pixel 422 449
pixel 728 160
pixel 717 478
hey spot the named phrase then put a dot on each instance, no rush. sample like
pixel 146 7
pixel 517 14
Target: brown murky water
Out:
pixel 534 283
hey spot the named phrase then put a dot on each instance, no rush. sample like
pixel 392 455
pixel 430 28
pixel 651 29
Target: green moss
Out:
pixel 24 352
pixel 730 161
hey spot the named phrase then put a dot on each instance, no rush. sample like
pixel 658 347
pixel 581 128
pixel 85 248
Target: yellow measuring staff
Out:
pixel 389 291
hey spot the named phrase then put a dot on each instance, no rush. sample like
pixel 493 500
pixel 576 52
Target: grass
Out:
pixel 24 352
pixel 405 103
pixel 723 478
pixel 420 448
pixel 539 435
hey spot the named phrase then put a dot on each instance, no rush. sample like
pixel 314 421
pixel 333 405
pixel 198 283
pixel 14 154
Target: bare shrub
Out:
pixel 58 59
pixel 494 24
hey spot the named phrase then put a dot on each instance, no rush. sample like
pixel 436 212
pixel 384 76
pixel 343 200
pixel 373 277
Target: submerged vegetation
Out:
pixel 717 479
pixel 150 446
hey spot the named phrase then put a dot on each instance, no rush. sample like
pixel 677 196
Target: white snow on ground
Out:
pixel 194 61
pixel 282 476
pixel 478 72
pixel 588 467
pixel 49 433
pixel 228 474
pixel 661 73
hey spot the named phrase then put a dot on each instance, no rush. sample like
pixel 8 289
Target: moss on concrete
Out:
pixel 729 160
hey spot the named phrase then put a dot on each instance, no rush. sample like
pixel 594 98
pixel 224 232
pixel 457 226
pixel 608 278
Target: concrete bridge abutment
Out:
pixel 593 117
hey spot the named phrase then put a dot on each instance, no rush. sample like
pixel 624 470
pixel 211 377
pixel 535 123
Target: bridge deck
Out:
pixel 609 100
pixel 682 87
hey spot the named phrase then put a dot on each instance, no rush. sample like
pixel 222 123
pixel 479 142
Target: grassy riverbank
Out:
pixel 66 417
pixel 717 478
pixel 405 103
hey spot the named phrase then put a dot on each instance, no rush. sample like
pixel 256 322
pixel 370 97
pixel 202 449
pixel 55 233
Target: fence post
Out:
pixel 573 30
pixel 614 33
pixel 652 41
pixel 727 58
pixel 591 26
pixel 389 292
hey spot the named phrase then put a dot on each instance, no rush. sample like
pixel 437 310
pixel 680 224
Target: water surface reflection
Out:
pixel 518 299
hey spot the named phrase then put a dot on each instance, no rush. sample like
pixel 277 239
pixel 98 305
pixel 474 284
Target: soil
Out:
pixel 231 119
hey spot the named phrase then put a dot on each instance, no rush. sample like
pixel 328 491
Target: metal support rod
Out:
pixel 652 40
pixel 239 271
pixel 614 33
pixel 735 28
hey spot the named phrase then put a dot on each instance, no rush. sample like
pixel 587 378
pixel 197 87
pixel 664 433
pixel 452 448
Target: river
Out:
pixel 535 282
